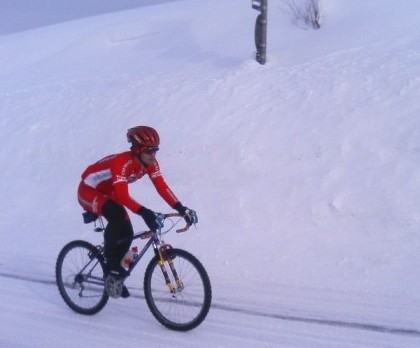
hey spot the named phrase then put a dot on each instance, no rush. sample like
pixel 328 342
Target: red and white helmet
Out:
pixel 143 136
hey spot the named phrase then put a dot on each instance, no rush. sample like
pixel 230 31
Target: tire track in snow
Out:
pixel 293 318
pixel 325 322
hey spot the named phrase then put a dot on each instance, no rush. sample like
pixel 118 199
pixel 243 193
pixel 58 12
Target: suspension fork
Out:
pixel 161 252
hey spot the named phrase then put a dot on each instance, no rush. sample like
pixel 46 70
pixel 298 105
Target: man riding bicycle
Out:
pixel 103 191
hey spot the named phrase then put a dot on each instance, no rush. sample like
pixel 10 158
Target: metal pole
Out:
pixel 261 30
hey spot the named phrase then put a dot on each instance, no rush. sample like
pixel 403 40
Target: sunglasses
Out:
pixel 151 150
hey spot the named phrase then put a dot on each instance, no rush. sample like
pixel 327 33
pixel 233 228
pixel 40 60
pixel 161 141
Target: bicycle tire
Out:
pixel 79 277
pixel 185 309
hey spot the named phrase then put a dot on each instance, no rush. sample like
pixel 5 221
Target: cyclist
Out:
pixel 103 191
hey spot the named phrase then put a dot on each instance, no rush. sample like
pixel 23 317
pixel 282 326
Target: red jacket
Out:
pixel 112 174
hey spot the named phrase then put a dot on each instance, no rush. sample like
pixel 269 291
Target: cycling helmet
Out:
pixel 143 136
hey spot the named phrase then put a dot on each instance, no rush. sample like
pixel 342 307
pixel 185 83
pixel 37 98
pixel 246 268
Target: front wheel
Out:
pixel 178 293
pixel 79 273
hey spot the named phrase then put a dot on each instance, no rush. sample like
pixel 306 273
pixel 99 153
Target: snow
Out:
pixel 304 172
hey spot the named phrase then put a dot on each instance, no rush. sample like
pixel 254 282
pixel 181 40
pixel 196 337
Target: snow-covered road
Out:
pixel 34 315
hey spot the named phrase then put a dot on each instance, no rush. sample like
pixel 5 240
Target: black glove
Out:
pixel 152 220
pixel 189 215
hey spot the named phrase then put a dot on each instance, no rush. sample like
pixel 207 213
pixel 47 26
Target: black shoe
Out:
pixel 117 271
pixel 125 293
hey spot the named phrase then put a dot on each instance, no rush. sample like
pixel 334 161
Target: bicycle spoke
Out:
pixel 80 278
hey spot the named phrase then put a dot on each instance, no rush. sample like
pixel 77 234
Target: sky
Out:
pixel 304 172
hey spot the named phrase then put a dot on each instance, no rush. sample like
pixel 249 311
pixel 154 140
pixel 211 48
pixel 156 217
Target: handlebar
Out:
pixel 184 229
pixel 148 234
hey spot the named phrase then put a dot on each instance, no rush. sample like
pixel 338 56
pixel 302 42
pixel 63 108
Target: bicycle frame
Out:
pixel 159 246
pixel 153 240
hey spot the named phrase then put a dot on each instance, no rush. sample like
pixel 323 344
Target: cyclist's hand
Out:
pixel 152 219
pixel 189 215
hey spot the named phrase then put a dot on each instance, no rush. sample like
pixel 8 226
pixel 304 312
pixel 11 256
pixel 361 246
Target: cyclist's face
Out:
pixel 148 156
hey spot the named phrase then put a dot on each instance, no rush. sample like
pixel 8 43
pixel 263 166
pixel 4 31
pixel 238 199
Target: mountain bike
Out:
pixel 176 286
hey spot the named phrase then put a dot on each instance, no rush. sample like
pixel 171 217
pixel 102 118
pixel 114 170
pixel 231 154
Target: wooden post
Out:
pixel 261 30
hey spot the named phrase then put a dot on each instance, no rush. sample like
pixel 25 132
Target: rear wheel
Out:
pixel 79 273
pixel 182 304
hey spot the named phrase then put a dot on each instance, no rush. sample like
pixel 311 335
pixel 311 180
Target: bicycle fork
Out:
pixel 162 253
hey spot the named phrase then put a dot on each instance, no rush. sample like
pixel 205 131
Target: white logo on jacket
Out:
pixel 120 178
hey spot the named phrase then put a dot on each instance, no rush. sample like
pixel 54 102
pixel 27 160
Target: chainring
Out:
pixel 114 286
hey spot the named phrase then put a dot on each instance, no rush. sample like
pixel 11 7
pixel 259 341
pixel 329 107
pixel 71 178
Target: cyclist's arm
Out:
pixel 161 186
pixel 122 196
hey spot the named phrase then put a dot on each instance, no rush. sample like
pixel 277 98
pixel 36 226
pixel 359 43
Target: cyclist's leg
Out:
pixel 119 224
pixel 119 227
